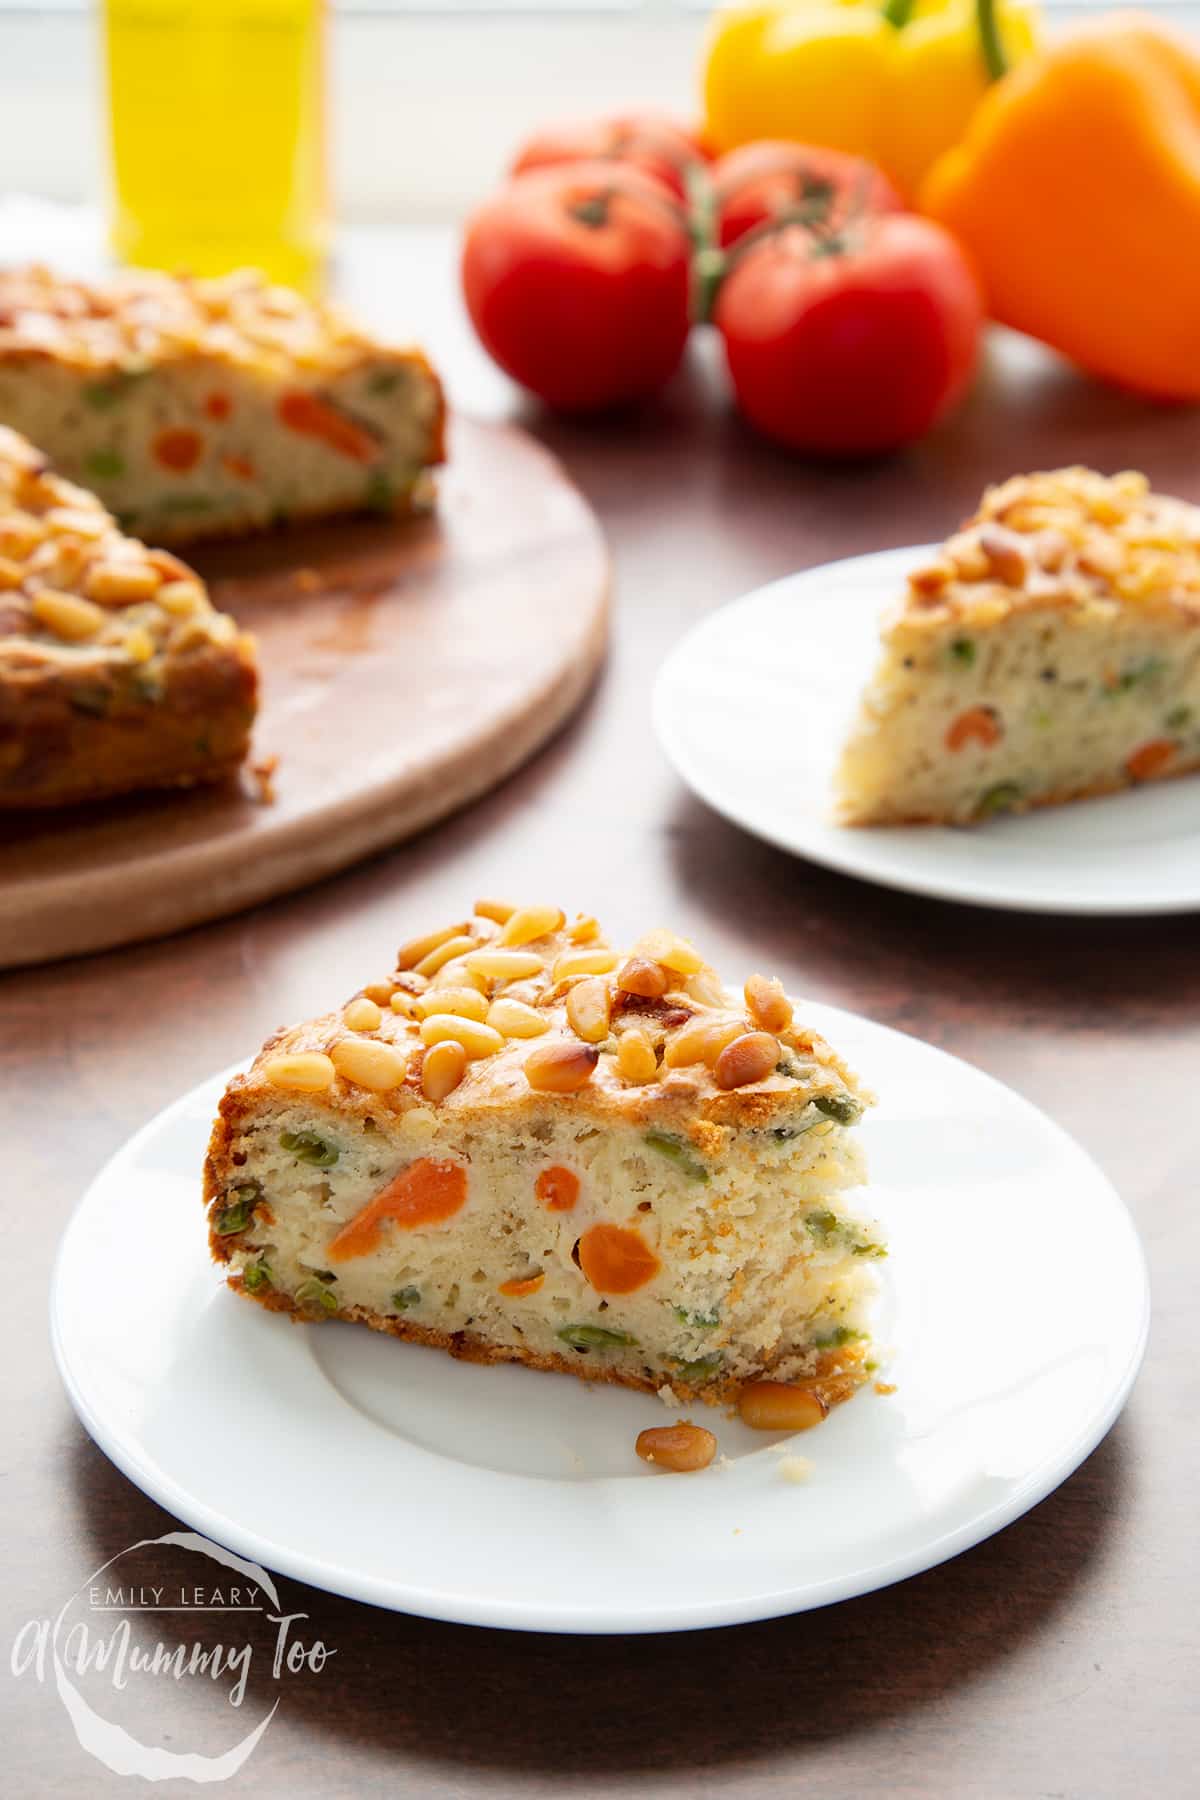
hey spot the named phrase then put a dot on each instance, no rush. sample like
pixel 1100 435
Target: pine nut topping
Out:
pixel 444 953
pixel 583 962
pixel 456 974
pixel 443 1068
pixel 513 1019
pixel 530 922
pixel 121 584
pixel 362 1015
pixel 467 1003
pixel 498 910
pixel 180 598
pixel 66 615
pixel 139 645
pixel 505 965
pixel 305 1071
pixel 702 1041
pixel 769 1006
pixel 649 980
pixel 1005 555
pixel 476 1039
pixel 380 992
pixel 777 1406
pixel 589 1008
pixel 12 574
pixel 584 929
pixel 403 1004
pixel 706 987
pixel 635 1057
pixel 416 949
pixel 673 952
pixel 369 1063
pixel 751 1057
pixel 561 1067
pixel 680 1448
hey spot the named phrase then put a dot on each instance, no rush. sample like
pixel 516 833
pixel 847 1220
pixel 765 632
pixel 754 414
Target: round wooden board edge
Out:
pixel 199 888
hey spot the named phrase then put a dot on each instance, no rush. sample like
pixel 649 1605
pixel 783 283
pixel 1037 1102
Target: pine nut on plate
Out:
pixel 777 1406
pixel 681 1448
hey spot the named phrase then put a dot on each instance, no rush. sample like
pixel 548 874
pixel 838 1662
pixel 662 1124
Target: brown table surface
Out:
pixel 1057 1660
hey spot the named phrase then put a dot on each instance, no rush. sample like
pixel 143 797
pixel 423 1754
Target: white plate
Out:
pixel 752 708
pixel 1015 1307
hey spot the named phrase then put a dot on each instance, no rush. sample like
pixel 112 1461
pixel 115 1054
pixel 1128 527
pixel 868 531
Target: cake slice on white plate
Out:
pixel 1050 651
pixel 524 1145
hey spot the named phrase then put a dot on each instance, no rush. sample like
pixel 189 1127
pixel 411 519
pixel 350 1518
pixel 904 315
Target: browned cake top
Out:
pixel 71 583
pixel 140 318
pixel 1070 538
pixel 514 1006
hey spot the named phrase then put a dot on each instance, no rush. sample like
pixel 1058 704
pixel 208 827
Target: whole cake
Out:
pixel 196 408
pixel 115 671
pixel 1050 651
pixel 525 1145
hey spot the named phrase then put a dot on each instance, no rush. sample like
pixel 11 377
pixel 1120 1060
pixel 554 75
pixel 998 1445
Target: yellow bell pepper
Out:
pixel 897 84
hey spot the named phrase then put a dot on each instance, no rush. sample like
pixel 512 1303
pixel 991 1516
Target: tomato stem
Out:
pixel 593 211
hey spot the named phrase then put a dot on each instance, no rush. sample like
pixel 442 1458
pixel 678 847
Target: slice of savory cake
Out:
pixel 196 408
pixel 115 671
pixel 1050 651
pixel 526 1146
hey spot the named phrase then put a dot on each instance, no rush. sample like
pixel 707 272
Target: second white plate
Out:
pixel 1012 1322
pixel 752 708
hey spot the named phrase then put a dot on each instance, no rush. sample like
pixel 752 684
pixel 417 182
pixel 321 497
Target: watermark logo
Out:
pixel 198 1655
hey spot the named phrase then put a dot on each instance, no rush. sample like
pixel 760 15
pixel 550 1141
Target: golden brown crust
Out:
pixel 1069 539
pixel 684 1101
pixel 146 317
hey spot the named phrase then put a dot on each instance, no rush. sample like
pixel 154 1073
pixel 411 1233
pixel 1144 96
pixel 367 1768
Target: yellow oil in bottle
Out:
pixel 217 119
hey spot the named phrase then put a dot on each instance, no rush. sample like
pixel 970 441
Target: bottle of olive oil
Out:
pixel 217 123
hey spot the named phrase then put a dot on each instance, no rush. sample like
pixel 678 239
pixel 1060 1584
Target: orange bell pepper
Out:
pixel 1076 192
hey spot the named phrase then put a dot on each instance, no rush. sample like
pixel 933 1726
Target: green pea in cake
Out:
pixel 196 408
pixel 524 1145
pixel 1051 651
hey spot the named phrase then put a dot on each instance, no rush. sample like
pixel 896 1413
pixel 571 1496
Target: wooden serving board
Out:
pixel 407 668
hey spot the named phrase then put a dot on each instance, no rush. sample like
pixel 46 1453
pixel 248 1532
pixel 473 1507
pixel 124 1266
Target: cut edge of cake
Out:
pixel 641 1184
pixel 202 408
pixel 1049 652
